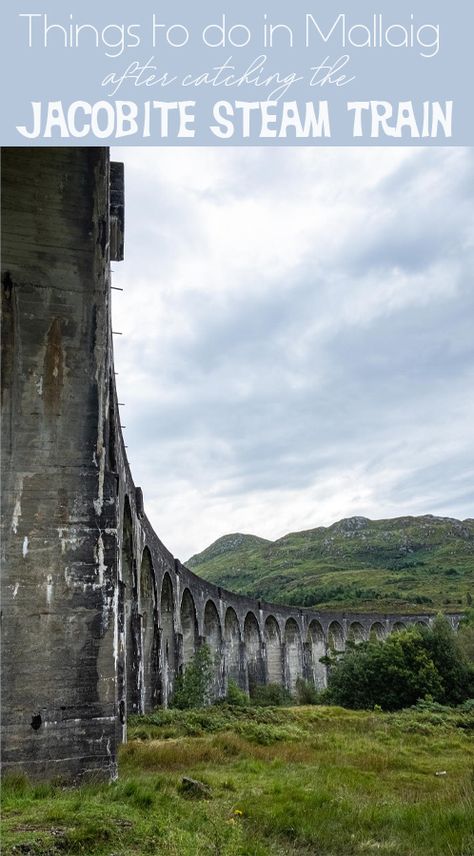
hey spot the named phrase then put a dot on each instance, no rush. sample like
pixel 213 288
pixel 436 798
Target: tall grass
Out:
pixel 283 781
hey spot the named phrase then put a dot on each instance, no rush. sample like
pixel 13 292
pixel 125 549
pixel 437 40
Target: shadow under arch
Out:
pixel 150 636
pixel 213 634
pixel 168 659
pixel 233 642
pixel 189 627
pixel 398 627
pixel 377 631
pixel 253 652
pixel 294 654
pixel 335 638
pixel 317 648
pixel 356 633
pixel 128 654
pixel 273 651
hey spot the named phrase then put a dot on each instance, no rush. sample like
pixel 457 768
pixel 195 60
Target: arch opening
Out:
pixel 168 641
pixel 398 627
pixel 294 654
pixel 253 652
pixel 273 651
pixel 377 631
pixel 356 633
pixel 189 627
pixel 213 634
pixel 232 648
pixel 129 631
pixel 335 638
pixel 150 658
pixel 317 647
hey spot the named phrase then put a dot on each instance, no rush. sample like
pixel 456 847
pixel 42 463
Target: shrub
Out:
pixel 193 685
pixel 271 695
pixel 403 669
pixel 466 635
pixel 306 692
pixel 235 696
pixel 394 674
pixel 445 650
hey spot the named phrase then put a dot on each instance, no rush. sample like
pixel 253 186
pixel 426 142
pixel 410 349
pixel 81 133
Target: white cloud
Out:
pixel 298 336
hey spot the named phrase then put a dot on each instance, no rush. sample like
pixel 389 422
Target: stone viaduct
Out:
pixel 98 617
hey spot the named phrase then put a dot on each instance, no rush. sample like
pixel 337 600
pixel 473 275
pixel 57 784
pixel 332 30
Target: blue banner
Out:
pixel 256 73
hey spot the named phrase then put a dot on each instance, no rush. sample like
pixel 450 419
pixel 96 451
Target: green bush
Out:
pixel 445 650
pixel 402 669
pixel 271 695
pixel 235 696
pixel 306 692
pixel 394 674
pixel 466 634
pixel 193 685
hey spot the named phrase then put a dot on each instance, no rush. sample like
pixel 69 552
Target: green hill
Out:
pixel 403 564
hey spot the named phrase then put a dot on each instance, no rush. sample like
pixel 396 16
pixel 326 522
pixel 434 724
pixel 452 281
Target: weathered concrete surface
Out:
pixel 98 617
pixel 58 495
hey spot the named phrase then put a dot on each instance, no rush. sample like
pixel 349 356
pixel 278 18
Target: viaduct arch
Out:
pixel 98 616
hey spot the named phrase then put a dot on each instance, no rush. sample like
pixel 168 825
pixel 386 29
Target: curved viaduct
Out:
pixel 98 617
pixel 168 611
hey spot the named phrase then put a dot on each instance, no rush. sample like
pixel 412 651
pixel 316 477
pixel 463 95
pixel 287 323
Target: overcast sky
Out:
pixel 297 336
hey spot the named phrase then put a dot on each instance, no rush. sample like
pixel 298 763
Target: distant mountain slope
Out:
pixel 401 564
pixel 235 543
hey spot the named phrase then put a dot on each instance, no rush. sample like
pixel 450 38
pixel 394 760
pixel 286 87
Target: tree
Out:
pixel 466 635
pixel 402 669
pixel 393 673
pixel 445 650
pixel 193 685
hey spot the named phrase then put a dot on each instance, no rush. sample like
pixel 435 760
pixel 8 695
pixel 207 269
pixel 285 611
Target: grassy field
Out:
pixel 406 564
pixel 302 780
